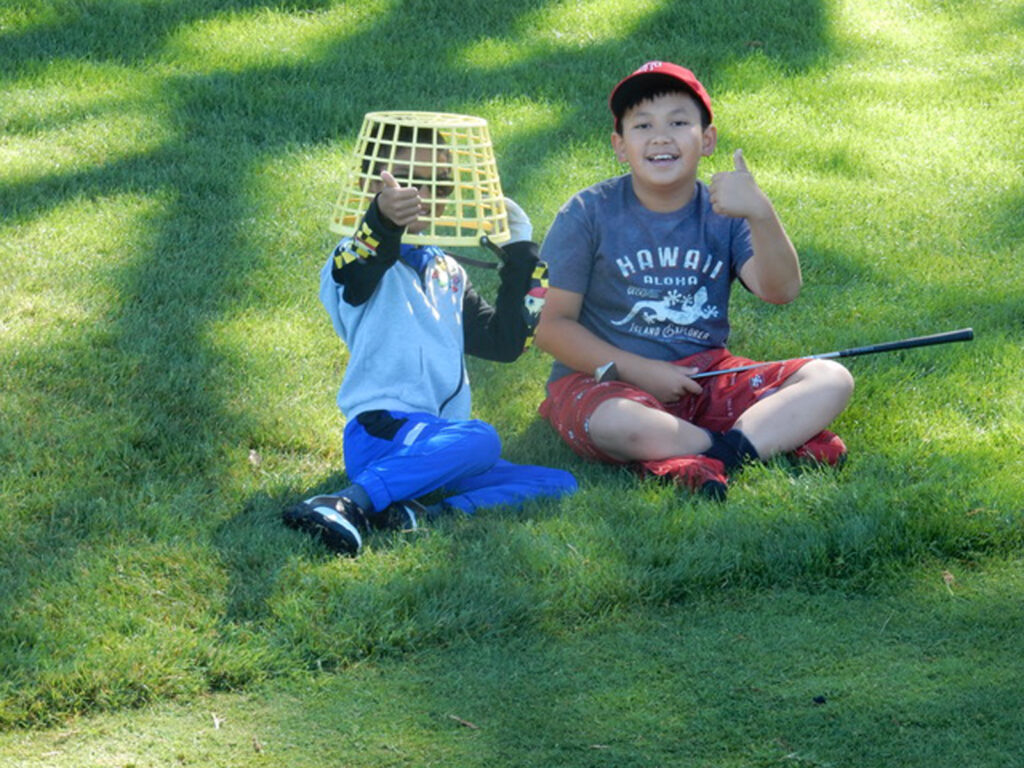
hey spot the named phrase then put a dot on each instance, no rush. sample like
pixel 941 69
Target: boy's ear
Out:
pixel 709 141
pixel 617 146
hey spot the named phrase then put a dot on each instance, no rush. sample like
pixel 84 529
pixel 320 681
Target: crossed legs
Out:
pixel 802 406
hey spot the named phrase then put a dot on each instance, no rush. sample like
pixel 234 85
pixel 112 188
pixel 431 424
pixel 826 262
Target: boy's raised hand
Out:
pixel 735 193
pixel 400 205
pixel 519 223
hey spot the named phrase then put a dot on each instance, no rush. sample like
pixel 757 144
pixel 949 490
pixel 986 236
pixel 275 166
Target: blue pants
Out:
pixel 396 455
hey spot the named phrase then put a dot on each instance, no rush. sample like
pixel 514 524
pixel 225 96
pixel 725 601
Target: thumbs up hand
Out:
pixel 400 205
pixel 736 194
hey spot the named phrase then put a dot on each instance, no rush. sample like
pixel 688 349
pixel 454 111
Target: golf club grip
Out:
pixel 494 248
pixel 964 334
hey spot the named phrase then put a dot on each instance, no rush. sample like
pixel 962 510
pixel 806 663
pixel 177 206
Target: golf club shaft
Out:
pixel 964 334
pixel 490 245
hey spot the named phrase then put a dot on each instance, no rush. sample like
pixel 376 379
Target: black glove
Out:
pixel 523 266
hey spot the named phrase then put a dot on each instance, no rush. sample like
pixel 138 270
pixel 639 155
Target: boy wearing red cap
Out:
pixel 641 271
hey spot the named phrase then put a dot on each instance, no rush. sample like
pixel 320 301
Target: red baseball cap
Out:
pixel 666 71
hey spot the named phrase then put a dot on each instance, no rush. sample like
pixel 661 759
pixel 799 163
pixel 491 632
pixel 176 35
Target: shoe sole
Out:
pixel 311 520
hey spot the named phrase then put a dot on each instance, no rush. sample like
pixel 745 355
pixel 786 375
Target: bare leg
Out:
pixel 629 431
pixel 803 406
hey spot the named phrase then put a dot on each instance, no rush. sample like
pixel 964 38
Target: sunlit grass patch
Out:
pixel 238 41
pixel 560 26
pixel 93 239
pixel 170 378
pixel 76 117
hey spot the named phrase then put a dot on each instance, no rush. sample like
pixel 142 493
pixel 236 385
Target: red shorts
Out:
pixel 572 400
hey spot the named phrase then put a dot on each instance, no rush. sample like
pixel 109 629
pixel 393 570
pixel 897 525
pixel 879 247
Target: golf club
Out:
pixel 964 334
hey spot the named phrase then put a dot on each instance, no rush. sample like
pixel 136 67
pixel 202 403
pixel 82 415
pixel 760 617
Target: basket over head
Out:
pixel 457 152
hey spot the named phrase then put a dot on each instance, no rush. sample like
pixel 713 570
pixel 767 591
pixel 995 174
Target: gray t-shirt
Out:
pixel 655 284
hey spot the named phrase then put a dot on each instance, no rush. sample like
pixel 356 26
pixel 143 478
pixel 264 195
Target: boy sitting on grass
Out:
pixel 408 314
pixel 641 267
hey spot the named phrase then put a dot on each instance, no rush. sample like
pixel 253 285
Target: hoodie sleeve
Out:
pixel 359 262
pixel 500 332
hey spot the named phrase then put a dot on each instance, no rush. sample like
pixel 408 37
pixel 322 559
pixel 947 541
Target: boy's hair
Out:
pixel 392 139
pixel 654 79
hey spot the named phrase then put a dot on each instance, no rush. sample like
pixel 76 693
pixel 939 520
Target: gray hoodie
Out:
pixel 408 315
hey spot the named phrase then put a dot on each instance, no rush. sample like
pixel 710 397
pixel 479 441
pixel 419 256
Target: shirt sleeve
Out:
pixel 499 332
pixel 569 248
pixel 360 261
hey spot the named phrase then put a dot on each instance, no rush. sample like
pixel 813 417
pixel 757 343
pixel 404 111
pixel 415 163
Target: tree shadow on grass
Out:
pixel 159 382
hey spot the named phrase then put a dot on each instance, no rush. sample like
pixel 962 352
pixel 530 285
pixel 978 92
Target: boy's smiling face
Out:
pixel 662 140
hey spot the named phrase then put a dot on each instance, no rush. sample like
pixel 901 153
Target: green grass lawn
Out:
pixel 765 678
pixel 166 174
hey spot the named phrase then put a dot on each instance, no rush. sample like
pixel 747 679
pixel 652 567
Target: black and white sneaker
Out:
pixel 399 516
pixel 336 520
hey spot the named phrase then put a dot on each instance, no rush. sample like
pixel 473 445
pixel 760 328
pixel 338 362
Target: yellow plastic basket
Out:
pixel 461 160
